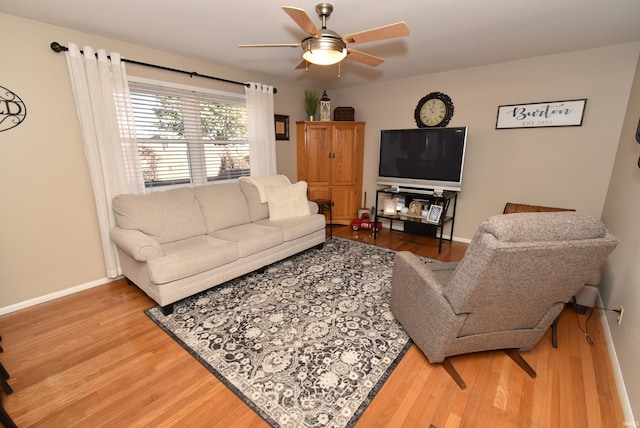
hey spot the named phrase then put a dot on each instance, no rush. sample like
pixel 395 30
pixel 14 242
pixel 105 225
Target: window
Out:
pixel 189 137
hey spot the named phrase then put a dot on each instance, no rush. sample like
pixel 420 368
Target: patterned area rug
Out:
pixel 307 343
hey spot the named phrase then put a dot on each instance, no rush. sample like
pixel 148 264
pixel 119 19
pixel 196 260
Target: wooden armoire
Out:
pixel 330 157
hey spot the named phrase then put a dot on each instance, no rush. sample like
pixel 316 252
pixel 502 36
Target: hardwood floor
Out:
pixel 94 359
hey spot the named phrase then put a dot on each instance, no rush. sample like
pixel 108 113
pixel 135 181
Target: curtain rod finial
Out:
pixel 57 47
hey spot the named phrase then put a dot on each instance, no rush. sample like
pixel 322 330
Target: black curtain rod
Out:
pixel 57 47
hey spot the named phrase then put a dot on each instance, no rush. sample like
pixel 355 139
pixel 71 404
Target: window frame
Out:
pixel 197 169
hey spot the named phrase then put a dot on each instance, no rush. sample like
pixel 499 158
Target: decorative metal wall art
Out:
pixel 12 109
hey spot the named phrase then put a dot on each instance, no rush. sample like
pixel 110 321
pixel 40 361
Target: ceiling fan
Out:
pixel 326 47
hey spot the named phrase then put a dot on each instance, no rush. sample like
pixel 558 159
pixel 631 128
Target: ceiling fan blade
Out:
pixel 271 45
pixel 302 19
pixel 302 64
pixel 364 58
pixel 399 29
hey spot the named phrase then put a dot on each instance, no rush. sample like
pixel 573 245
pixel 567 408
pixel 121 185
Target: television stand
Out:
pixel 413 221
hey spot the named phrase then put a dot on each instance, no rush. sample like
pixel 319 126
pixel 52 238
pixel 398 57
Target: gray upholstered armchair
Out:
pixel 513 282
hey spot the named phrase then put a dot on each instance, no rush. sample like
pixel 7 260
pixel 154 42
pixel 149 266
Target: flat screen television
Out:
pixel 423 158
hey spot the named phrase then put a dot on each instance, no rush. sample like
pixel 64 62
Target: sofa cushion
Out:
pixel 287 201
pixel 189 257
pixel 293 228
pixel 258 207
pixel 262 181
pixel 223 205
pixel 251 238
pixel 167 216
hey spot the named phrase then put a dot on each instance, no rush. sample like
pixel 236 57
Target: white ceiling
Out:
pixel 445 34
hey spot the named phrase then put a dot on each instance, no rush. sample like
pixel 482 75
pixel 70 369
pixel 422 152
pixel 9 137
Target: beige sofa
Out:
pixel 176 243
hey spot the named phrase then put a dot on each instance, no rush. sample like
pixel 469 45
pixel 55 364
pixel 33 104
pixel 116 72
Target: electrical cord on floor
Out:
pixel 586 325
pixel 589 315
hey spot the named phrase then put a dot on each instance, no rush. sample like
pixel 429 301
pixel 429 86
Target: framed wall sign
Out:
pixel 282 127
pixel 541 115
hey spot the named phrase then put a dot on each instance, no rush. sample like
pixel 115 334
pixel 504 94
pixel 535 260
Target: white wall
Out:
pixel 564 167
pixel 621 286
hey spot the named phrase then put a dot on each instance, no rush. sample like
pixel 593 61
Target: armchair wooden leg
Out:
pixel 453 373
pixel 554 332
pixel 3 372
pixel 5 419
pixel 519 360
pixel 4 375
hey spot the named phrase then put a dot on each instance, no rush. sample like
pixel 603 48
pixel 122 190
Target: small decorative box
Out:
pixel 343 113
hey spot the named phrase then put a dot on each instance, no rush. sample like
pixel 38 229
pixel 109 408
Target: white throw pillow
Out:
pixel 287 201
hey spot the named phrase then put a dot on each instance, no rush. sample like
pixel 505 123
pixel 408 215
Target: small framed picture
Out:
pixel 434 214
pixel 390 206
pixel 415 208
pixel 282 127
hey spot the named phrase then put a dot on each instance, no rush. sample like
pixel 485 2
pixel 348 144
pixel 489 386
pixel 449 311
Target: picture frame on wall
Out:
pixel 541 115
pixel 435 212
pixel 282 126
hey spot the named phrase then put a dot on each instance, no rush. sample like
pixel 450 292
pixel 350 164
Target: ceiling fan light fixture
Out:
pixel 324 51
pixel 326 47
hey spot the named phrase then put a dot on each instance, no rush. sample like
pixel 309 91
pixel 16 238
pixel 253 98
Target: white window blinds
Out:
pixel 186 137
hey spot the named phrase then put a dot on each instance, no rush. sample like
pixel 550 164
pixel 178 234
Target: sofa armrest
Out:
pixel 139 246
pixel 313 207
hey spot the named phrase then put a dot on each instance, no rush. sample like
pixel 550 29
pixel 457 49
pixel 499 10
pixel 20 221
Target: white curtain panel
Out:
pixel 102 99
pixel 262 133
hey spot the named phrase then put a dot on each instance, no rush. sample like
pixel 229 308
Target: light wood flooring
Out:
pixel 94 359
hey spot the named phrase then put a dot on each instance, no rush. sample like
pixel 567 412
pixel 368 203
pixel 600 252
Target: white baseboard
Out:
pixel 53 296
pixel 617 371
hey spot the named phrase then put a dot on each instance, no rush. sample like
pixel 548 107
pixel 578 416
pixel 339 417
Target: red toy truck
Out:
pixel 365 223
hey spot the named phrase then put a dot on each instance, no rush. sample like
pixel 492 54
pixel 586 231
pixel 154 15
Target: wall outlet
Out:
pixel 620 314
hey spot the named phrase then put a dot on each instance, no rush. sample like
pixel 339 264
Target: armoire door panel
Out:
pixel 344 203
pixel 318 155
pixel 344 149
pixel 318 193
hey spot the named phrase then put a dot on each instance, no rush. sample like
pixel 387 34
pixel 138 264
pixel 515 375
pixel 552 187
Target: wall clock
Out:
pixel 434 109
